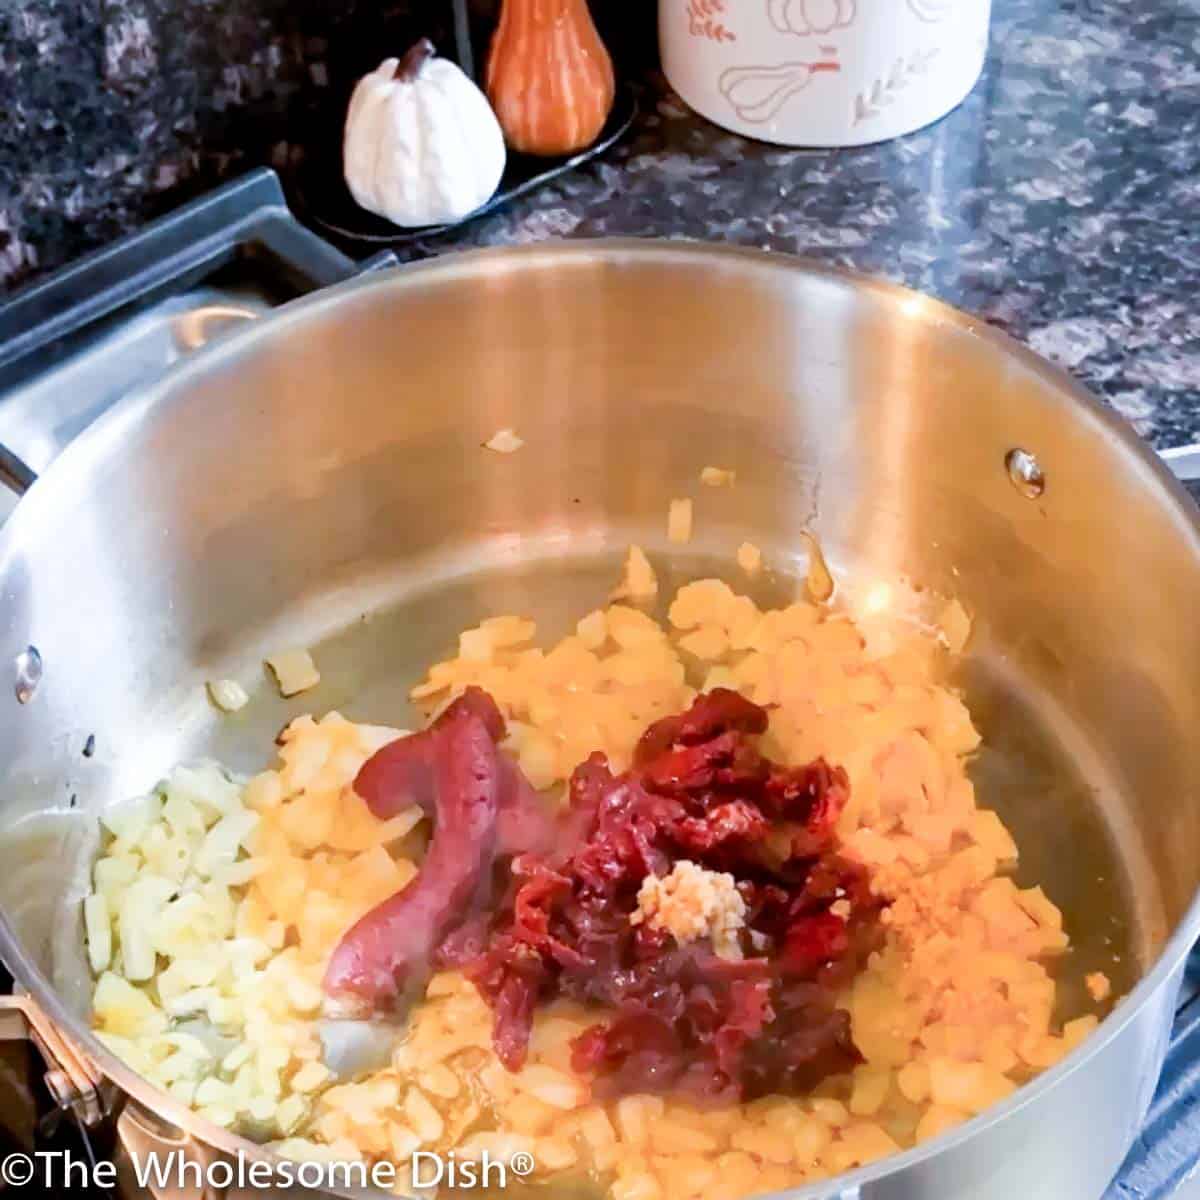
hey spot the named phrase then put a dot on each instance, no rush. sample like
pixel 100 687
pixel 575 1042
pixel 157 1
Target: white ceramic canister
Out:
pixel 823 72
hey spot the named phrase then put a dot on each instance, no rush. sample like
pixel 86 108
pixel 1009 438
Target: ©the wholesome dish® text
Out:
pixel 698 910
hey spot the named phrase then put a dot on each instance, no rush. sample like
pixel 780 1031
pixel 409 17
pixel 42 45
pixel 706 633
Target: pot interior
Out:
pixel 321 482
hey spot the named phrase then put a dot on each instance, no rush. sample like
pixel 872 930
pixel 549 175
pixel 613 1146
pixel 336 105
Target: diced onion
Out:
pixel 294 671
pixel 207 787
pixel 228 695
pixel 639 581
pixel 749 558
pixel 125 1010
pixel 224 840
pixel 139 913
pixel 679 521
pixel 129 819
pixel 99 933
pixel 504 441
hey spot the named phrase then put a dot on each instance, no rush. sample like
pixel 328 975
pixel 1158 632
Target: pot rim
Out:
pixel 490 261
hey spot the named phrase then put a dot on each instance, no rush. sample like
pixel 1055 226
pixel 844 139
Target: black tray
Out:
pixel 321 198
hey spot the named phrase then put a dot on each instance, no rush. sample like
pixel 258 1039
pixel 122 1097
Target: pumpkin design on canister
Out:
pixel 704 20
pixel 549 77
pixel 803 17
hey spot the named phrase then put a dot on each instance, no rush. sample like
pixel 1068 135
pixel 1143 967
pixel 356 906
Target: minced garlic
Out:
pixel 692 903
pixel 1099 986
pixel 504 441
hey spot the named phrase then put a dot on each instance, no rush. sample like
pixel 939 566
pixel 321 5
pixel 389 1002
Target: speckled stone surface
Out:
pixel 1061 201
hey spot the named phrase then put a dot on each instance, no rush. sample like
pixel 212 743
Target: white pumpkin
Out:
pixel 811 16
pixel 422 145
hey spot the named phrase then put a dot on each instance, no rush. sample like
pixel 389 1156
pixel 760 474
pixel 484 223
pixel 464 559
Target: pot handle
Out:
pixel 248 216
pixel 73 1082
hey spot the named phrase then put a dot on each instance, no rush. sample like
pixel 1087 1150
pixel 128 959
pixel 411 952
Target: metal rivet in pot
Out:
pixel 1025 473
pixel 28 666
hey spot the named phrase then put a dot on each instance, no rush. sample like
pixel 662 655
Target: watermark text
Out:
pixel 64 1171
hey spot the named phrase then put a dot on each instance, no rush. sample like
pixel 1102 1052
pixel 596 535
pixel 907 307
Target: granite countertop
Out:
pixel 1061 201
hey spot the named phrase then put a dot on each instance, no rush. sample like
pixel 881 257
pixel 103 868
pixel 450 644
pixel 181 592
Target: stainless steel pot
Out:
pixel 318 479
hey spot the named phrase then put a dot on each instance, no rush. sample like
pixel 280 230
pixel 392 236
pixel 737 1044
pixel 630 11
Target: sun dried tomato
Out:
pixel 681 1019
